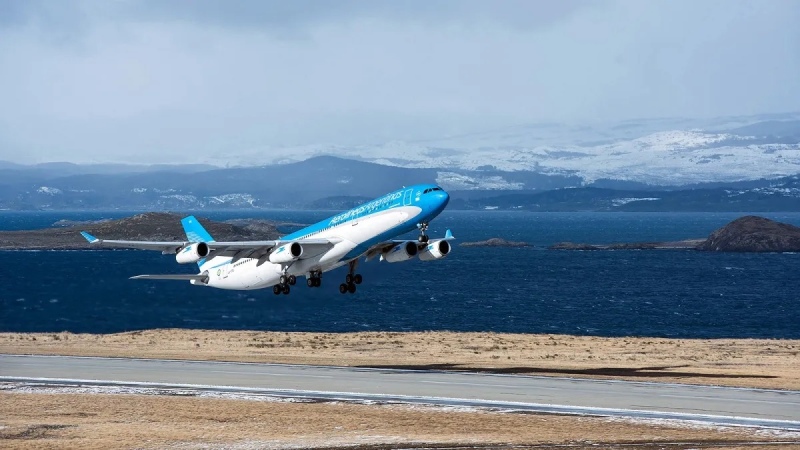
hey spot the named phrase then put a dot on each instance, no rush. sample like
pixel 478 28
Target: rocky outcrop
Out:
pixel 495 242
pixel 686 244
pixel 753 234
pixel 574 246
pixel 141 227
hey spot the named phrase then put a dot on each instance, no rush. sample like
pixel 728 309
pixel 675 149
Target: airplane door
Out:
pixel 407 197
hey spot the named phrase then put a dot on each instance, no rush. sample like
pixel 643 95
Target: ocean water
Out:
pixel 670 293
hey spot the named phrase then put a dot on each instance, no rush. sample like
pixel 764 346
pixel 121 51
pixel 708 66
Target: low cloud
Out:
pixel 172 81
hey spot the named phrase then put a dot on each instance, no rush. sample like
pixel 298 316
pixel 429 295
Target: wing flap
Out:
pixel 245 245
pixel 246 249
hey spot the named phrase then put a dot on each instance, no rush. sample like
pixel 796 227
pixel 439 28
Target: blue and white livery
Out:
pixel 366 230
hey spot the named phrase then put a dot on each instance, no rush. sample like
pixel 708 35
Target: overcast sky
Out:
pixel 169 81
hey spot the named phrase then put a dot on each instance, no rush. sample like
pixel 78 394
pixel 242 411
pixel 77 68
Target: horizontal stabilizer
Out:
pixel 199 277
pixel 89 237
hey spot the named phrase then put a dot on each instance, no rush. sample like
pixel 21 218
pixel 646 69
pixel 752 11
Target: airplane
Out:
pixel 366 230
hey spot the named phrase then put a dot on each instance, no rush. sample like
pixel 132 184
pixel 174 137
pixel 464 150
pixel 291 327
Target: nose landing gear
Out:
pixel 423 236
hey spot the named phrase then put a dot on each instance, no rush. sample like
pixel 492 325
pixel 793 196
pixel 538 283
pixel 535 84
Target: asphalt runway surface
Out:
pixel 707 404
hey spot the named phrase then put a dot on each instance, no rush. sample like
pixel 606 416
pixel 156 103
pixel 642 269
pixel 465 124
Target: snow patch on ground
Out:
pixel 48 190
pixel 232 200
pixel 181 198
pixel 696 425
pixel 129 390
pixel 625 201
pixel 456 181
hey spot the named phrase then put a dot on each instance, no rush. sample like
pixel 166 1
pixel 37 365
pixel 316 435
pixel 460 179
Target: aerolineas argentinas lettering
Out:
pixel 367 208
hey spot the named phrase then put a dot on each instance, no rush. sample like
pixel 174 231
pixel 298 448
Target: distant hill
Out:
pixel 328 182
pixel 775 195
pixel 315 183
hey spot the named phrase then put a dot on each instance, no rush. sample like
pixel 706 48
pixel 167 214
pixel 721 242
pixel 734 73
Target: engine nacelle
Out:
pixel 286 253
pixel 401 252
pixel 192 253
pixel 437 249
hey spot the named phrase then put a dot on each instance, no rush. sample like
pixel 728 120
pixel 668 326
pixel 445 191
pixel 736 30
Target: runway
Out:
pixel 716 405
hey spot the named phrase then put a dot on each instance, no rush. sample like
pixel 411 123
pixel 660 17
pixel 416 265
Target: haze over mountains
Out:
pixel 737 163
pixel 669 152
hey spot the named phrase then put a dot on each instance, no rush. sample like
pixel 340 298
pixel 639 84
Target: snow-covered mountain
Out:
pixel 661 151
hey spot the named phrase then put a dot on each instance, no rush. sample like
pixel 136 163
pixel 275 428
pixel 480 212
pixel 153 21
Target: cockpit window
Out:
pixel 431 190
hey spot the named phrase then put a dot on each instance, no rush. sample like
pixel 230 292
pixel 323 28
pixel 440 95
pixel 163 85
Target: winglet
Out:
pixel 449 234
pixel 89 237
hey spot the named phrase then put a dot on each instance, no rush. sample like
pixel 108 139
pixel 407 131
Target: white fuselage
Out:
pixel 247 273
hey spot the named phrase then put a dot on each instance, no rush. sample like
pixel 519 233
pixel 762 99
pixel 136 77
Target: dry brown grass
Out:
pixel 56 421
pixel 761 363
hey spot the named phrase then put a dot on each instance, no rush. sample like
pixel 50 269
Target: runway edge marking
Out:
pixel 503 406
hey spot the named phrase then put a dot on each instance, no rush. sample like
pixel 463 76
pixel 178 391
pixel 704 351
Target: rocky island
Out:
pixel 152 226
pixel 685 244
pixel 495 242
pixel 753 234
pixel 745 234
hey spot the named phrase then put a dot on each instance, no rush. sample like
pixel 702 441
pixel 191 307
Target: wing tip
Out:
pixel 449 234
pixel 89 237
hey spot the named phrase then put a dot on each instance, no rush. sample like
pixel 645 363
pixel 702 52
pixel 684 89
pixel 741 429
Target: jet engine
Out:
pixel 286 253
pixel 192 253
pixel 437 249
pixel 401 252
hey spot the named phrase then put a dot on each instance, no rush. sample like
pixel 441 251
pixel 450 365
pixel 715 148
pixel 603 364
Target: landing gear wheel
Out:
pixel 343 288
pixel 423 237
pixel 284 279
pixel 276 289
pixel 357 278
pixel 351 288
pixel 286 289
pixel 292 280
pixel 348 279
pixel 317 282
pixel 311 282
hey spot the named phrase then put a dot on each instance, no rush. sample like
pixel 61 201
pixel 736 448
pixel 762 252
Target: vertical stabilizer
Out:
pixel 195 233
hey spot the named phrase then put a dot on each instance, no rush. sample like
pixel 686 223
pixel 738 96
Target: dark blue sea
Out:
pixel 670 293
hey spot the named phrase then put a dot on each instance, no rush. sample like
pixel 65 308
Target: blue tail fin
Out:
pixel 194 231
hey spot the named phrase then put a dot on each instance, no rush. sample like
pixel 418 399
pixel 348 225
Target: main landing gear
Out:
pixel 351 280
pixel 423 237
pixel 314 279
pixel 283 286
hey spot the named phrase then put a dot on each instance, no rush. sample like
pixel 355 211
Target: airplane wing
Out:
pixel 163 246
pixel 199 277
pixel 386 246
pixel 240 248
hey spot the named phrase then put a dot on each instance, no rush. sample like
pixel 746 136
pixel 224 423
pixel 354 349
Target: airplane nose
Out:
pixel 443 197
pixel 440 201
